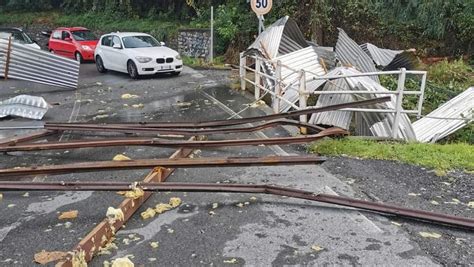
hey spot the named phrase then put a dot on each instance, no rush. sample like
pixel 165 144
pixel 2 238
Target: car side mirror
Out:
pixel 162 43
pixel 67 39
pixel 117 46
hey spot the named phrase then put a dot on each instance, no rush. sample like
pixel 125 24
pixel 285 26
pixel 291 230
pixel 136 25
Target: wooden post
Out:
pixel 303 97
pixel 7 60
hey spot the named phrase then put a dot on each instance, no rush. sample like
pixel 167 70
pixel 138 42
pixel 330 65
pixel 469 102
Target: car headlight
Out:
pixel 178 57
pixel 86 48
pixel 143 59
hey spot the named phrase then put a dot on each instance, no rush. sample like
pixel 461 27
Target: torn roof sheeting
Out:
pixel 305 59
pixel 341 119
pixel 379 124
pixel 388 59
pixel 461 106
pixel 350 54
pixel 382 57
pixel 282 37
pixel 26 106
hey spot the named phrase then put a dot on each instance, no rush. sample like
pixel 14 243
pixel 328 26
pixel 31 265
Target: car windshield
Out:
pixel 18 36
pixel 140 41
pixel 84 36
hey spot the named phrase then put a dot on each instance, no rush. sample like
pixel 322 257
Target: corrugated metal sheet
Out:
pixel 38 66
pixel 461 106
pixel 340 119
pixel 26 106
pixel 381 56
pixel 380 123
pixel 282 37
pixel 350 54
pixel 304 59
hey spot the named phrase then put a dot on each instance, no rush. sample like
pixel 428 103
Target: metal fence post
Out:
pixel 398 105
pixel 422 95
pixel 243 71
pixel 276 99
pixel 257 77
pixel 302 101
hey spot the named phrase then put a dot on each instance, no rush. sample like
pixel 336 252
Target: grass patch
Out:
pixel 440 157
pixel 202 63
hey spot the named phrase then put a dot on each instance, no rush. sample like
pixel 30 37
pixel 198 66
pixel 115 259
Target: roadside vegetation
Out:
pixel 440 157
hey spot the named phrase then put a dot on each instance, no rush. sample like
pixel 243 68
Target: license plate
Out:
pixel 166 67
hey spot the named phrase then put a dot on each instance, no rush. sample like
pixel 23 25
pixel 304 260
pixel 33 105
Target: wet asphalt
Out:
pixel 268 230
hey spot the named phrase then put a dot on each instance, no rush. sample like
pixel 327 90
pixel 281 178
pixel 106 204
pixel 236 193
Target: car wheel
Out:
pixel 132 70
pixel 100 65
pixel 78 57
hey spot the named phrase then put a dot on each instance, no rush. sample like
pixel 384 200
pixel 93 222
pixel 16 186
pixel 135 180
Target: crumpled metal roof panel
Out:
pixel 461 106
pixel 26 106
pixel 340 119
pixel 350 54
pixel 304 59
pixel 381 56
pixel 282 37
pixel 380 123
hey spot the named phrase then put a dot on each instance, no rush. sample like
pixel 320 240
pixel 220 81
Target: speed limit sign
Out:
pixel 261 7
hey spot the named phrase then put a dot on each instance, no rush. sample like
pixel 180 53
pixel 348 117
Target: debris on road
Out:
pixel 45 257
pixel 317 248
pixel 430 235
pixel 72 214
pixel 231 261
pixel 382 208
pixel 121 157
pixel 114 215
pixel 129 96
pixel 26 106
pixel 122 262
pixel 154 244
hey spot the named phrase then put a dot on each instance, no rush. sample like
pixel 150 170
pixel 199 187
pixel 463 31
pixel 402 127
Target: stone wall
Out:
pixel 194 42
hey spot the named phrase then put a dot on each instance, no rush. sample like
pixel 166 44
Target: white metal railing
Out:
pixel 300 85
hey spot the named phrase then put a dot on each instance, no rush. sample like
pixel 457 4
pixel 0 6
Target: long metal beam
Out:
pixel 165 163
pixel 180 131
pixel 103 232
pixel 26 137
pixel 388 209
pixel 172 144
pixel 222 123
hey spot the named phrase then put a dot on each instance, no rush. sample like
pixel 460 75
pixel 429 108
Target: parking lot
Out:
pixel 266 230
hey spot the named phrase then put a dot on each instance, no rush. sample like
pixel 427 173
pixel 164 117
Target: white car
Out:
pixel 18 36
pixel 136 54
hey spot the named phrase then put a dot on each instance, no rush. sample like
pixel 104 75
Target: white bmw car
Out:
pixel 136 54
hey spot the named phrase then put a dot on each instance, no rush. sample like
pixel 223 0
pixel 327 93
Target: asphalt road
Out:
pixel 268 231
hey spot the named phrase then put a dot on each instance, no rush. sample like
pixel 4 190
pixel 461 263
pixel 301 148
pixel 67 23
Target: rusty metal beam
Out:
pixel 172 144
pixel 179 131
pixel 221 123
pixel 165 163
pixel 388 209
pixel 104 231
pixel 17 139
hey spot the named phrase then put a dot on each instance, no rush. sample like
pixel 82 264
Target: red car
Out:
pixel 77 43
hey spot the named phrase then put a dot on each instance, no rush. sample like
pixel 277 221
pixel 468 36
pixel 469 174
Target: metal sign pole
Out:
pixel 211 52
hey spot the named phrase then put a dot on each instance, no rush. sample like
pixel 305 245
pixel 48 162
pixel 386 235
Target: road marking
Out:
pixel 275 148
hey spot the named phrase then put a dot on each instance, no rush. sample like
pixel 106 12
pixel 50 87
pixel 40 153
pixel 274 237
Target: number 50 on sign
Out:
pixel 261 7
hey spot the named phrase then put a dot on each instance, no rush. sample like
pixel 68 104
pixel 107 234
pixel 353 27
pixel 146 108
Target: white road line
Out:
pixel 275 148
pixel 64 136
